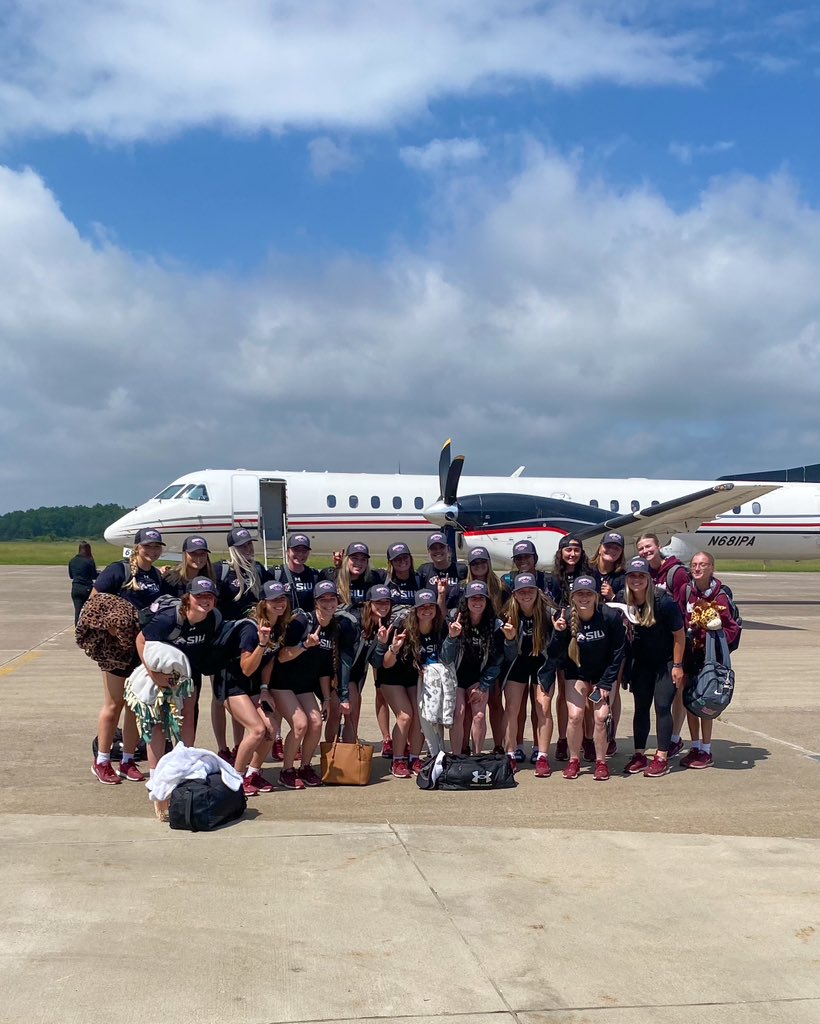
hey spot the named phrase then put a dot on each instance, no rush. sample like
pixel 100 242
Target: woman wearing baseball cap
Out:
pixel 107 632
pixel 589 650
pixel 240 577
pixel 252 648
pixel 608 569
pixel 196 561
pixel 655 666
pixel 354 577
pixel 475 647
pixel 527 629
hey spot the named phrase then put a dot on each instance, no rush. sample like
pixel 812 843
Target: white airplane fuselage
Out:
pixel 381 509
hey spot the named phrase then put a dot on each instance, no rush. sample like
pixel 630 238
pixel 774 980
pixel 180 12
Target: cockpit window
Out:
pixel 195 492
pixel 169 492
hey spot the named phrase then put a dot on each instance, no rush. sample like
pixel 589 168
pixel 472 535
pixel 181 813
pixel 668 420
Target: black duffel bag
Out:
pixel 711 691
pixel 468 771
pixel 201 805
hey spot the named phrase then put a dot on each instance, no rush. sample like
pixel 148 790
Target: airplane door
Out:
pixel 272 520
pixel 245 501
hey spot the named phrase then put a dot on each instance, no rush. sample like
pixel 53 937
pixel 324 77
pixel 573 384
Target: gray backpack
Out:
pixel 711 692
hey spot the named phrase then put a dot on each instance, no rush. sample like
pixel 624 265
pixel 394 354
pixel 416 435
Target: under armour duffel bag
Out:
pixel 201 805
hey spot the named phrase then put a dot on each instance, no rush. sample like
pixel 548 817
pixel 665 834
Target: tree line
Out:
pixel 63 522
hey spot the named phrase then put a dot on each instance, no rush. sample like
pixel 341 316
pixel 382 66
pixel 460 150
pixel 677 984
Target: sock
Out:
pixel 395 759
pixel 249 771
pixel 696 745
pixel 675 739
pixel 126 758
pixel 542 756
pixel 706 748
pixel 103 758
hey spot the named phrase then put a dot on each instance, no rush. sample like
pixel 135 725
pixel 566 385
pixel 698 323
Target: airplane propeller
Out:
pixel 446 508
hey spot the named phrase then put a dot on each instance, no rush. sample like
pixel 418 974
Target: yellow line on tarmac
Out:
pixel 21 659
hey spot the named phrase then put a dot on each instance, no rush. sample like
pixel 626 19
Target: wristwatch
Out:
pixel 677 664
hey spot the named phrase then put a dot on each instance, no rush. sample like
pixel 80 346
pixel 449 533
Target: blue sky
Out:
pixel 536 186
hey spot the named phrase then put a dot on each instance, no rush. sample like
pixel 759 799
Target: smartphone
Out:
pixel 595 695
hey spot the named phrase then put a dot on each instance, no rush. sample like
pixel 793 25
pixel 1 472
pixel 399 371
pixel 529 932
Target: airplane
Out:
pixel 766 516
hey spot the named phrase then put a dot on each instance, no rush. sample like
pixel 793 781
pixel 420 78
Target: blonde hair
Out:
pixel 343 579
pixel 246 575
pixel 493 586
pixel 541 620
pixel 133 563
pixel 277 629
pixel 574 620
pixel 646 616
pixel 183 573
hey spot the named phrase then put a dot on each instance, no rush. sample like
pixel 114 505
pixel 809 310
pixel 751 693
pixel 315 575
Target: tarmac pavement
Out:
pixel 694 896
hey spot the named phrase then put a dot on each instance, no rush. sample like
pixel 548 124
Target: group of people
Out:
pixel 451 647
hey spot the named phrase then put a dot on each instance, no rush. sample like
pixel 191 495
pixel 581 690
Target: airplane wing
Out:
pixel 680 515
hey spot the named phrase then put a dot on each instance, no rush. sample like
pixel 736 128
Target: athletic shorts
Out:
pixel 524 669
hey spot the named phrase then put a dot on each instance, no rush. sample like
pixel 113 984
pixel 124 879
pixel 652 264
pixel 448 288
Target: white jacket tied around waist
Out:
pixel 437 694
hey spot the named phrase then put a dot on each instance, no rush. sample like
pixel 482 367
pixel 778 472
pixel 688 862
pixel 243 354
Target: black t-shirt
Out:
pixel 195 639
pixel 430 645
pixel 526 626
pixel 112 580
pixel 403 592
pixel 477 655
pixel 301 585
pixel 558 588
pixel 359 587
pixel 614 579
pixel 651 646
pixel 305 671
pixel 228 584
pixel 245 639
pixel 455 574
pixel 600 647
pixel 82 571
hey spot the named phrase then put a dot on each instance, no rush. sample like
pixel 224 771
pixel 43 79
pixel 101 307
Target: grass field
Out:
pixel 26 552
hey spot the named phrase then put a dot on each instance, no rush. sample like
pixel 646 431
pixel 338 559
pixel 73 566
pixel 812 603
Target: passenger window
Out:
pixel 736 510
pixel 418 503
pixel 635 506
pixel 756 507
pixel 353 501
pixel 331 501
pixel 613 505
pixel 397 503
pixel 375 502
pixel 593 502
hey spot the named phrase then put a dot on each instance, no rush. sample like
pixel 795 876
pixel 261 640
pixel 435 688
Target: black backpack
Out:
pixel 201 805
pixel 116 748
pixel 469 771
pixel 711 692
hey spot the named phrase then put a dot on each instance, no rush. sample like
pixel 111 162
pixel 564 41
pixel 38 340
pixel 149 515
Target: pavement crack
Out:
pixel 446 911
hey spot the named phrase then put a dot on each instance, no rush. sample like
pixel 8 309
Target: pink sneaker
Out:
pixel 658 767
pixel 703 760
pixel 261 783
pixel 688 758
pixel 416 766
pixel 543 768
pixel 400 770
pixel 289 779
pixel 636 765
pixel 248 787
pixel 105 774
pixel 573 769
pixel 278 752
pixel 601 773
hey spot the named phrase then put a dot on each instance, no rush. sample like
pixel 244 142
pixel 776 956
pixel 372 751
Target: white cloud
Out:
pixel 554 321
pixel 442 153
pixel 328 157
pixel 127 71
pixel 686 152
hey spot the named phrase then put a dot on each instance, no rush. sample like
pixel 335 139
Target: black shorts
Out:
pixel 525 669
pixel 228 685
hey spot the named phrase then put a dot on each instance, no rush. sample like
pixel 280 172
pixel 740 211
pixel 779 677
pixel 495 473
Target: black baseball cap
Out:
pixel 524 547
pixel 195 544
pixel 201 585
pixel 273 590
pixel 396 551
pixel 613 538
pixel 148 535
pixel 436 538
pixel 570 538
pixel 478 555
pixel 584 583
pixel 476 588
pixel 424 597
pixel 298 540
pixel 524 580
pixel 357 548
pixel 323 588
pixel 638 565
pixel 238 537
pixel 379 592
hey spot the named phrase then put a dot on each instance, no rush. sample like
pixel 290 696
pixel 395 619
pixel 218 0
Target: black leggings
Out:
pixel 650 685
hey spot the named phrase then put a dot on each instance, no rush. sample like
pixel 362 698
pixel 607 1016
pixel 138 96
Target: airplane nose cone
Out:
pixel 441 513
pixel 121 531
